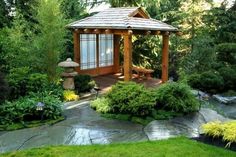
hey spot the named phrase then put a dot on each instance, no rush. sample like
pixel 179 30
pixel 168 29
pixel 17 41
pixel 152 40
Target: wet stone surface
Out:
pixel 84 126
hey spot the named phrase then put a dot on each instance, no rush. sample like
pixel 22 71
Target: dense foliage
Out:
pixel 4 89
pixel 22 82
pixel 84 83
pixel 218 129
pixel 24 109
pixel 176 97
pixel 129 98
pixel 209 81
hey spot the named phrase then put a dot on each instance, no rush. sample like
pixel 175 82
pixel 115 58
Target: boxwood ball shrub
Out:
pixel 84 83
pixel 176 97
pixel 130 98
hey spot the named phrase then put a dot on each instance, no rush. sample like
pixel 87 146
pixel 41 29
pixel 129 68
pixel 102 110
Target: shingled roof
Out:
pixel 122 18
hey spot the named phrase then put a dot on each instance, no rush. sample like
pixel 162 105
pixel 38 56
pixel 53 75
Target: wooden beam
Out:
pixel 76 37
pixel 97 31
pixel 148 32
pixel 108 31
pixel 117 53
pixel 127 57
pixel 165 57
pixel 87 31
pixel 118 31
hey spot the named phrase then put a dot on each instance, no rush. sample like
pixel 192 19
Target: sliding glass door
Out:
pixel 90 54
pixel 88 51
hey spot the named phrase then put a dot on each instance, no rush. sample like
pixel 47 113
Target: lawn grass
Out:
pixel 175 147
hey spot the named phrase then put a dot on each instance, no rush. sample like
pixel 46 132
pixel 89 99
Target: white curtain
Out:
pixel 105 50
pixel 88 51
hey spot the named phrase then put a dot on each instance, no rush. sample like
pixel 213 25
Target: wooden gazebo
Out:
pixel 97 38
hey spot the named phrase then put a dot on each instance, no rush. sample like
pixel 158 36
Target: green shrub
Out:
pixel 24 109
pixel 194 80
pixel 211 82
pixel 36 82
pixel 17 80
pixel 22 82
pixel 227 53
pixel 55 89
pixel 101 105
pixel 229 76
pixel 4 89
pixel 176 97
pixel 130 98
pixel 84 83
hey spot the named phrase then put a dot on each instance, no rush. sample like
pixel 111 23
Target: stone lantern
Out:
pixel 69 73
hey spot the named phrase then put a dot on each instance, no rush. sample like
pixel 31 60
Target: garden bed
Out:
pixel 31 124
pixel 215 141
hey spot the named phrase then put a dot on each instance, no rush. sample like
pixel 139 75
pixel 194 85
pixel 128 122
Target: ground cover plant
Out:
pixel 175 147
pixel 23 111
pixel 132 101
pixel 217 129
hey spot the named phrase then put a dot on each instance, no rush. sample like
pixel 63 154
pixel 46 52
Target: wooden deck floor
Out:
pixel 105 82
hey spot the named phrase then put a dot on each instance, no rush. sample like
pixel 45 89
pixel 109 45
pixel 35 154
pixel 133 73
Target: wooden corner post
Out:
pixel 76 37
pixel 127 57
pixel 117 53
pixel 165 57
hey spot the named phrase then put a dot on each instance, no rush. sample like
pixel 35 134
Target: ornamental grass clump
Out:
pixel 213 129
pixel 101 105
pixel 226 130
pixel 70 95
pixel 229 133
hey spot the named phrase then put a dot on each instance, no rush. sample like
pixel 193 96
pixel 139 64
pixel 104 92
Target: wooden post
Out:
pixel 76 46
pixel 165 57
pixel 97 54
pixel 127 57
pixel 117 53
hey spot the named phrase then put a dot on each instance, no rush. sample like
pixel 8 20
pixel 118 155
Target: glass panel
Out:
pixel 105 50
pixel 87 51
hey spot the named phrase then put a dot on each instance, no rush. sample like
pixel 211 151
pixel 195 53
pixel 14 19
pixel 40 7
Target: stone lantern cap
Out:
pixel 68 63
